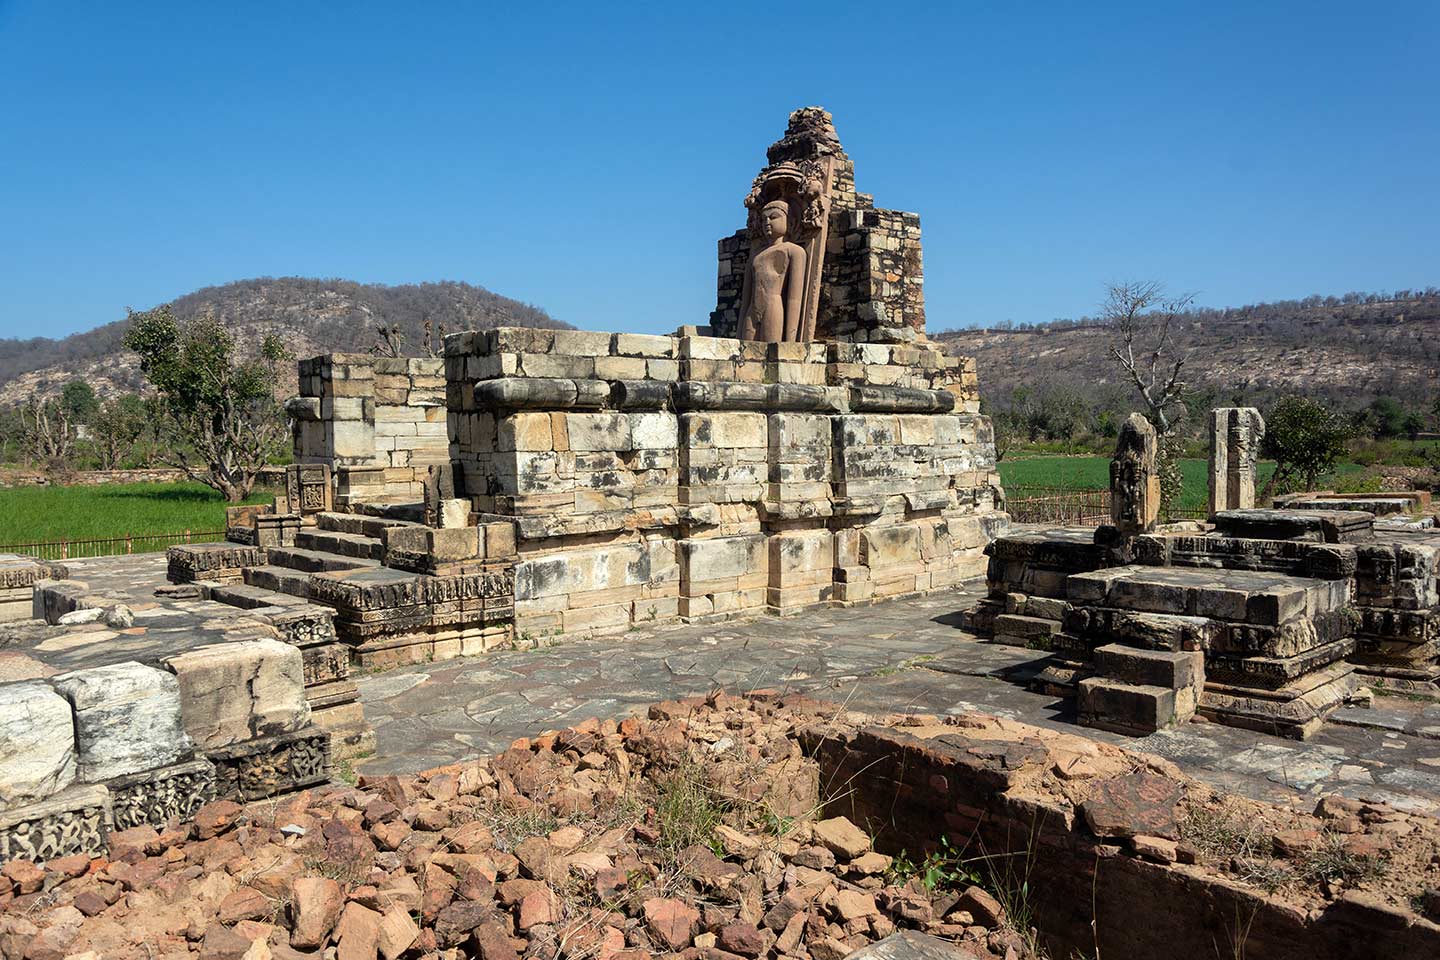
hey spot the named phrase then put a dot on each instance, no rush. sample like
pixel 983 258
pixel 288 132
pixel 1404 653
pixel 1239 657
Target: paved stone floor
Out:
pixel 906 655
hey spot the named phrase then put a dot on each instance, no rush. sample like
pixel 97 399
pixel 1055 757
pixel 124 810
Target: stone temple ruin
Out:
pixel 1267 619
pixel 809 448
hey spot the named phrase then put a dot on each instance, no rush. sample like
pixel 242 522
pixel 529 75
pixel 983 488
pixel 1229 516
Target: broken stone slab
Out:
pixel 1160 668
pixel 37 749
pixel 127 719
pixel 912 945
pixel 72 821
pixel 1129 708
pixel 1322 526
pixel 232 692
pixel 1242 596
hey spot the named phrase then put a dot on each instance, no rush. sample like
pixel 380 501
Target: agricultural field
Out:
pixel 30 514
pixel 1094 473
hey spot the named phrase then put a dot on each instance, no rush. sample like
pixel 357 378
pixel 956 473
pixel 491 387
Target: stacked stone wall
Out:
pixel 378 421
pixel 657 477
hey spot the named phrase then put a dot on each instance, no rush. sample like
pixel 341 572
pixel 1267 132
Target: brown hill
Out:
pixel 1348 349
pixel 312 316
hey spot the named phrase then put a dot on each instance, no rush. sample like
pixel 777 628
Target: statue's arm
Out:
pixel 794 293
pixel 746 329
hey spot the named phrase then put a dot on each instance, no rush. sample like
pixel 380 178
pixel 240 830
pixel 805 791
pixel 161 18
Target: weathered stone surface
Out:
pixel 158 796
pixel 231 692
pixel 271 765
pixel 127 719
pixel 1140 802
pixel 37 750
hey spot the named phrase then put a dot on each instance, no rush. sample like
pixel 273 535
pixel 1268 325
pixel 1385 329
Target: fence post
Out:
pixel 129 544
pixel 64 549
pixel 187 536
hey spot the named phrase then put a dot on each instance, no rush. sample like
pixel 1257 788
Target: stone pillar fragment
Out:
pixel 1235 435
pixel 1134 480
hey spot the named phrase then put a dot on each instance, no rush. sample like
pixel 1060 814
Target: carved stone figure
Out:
pixel 774 291
pixel 1134 481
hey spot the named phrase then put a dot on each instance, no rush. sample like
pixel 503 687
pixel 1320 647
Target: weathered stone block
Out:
pixel 232 692
pixel 37 742
pixel 598 431
pixel 654 431
pixel 721 557
pixel 127 719
pixel 1159 668
pixel 882 547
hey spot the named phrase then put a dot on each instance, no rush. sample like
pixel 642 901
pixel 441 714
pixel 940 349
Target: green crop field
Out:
pixel 30 514
pixel 1094 473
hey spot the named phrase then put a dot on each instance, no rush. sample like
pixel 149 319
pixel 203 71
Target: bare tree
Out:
pixel 48 432
pixel 1144 319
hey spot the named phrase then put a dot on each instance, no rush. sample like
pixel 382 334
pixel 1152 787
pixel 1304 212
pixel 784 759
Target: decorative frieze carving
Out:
pixel 155 797
pixel 272 765
pixel 70 822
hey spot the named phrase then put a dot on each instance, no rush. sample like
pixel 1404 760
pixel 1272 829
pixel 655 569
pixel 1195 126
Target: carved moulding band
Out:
pixel 72 821
pixel 155 797
pixel 272 765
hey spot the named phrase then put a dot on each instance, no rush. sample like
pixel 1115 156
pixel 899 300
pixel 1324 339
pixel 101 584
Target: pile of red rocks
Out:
pixel 694 832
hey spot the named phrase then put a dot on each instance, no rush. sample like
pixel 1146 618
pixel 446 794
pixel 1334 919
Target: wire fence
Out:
pixel 1073 506
pixel 109 546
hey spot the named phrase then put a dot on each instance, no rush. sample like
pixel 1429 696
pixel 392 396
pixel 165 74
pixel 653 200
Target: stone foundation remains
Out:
pixel 1289 610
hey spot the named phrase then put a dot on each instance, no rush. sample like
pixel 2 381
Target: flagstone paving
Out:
pixel 901 656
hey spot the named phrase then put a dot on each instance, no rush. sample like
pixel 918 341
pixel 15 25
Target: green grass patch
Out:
pixel 31 514
pixel 1094 473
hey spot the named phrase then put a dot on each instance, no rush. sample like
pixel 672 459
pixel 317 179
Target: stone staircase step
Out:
pixel 341 544
pixel 246 597
pixel 280 579
pixel 357 524
pixel 1169 669
pixel 313 561
pixel 1132 708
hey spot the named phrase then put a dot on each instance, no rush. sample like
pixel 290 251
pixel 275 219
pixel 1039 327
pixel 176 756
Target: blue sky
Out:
pixel 586 157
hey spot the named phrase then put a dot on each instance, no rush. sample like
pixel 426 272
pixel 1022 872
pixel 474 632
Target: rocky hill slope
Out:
pixel 312 316
pixel 1349 349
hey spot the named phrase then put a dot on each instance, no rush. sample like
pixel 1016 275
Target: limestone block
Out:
pixel 882 547
pixel 725 429
pixel 710 348
pixel 620 368
pixel 352 438
pixel 644 345
pixel 801 556
pixel 525 431
pixel 722 557
pixel 598 431
pixel 582 343
pixel 127 719
pixel 37 750
pixel 231 692
pixel 654 431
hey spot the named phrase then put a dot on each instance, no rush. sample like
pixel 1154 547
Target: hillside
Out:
pixel 1348 349
pixel 312 316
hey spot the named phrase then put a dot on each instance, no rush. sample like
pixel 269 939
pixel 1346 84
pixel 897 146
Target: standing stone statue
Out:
pixel 774 291
pixel 1235 435
pixel 1134 481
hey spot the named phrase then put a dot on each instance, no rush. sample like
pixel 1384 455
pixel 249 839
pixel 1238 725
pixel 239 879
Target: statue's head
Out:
pixel 775 220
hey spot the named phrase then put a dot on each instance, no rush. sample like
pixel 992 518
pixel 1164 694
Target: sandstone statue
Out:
pixel 774 291
pixel 1134 480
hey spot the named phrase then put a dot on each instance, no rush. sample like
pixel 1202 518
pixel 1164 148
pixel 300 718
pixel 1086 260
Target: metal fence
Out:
pixel 109 546
pixel 1073 506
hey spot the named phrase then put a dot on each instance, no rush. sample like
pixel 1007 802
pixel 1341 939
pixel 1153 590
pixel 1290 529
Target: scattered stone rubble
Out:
pixel 696 832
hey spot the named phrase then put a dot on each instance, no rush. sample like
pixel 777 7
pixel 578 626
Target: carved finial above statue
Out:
pixel 809 134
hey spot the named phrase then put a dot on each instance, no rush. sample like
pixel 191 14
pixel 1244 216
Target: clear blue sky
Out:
pixel 586 157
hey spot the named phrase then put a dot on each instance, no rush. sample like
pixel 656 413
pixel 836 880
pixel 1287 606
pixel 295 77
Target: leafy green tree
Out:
pixel 1305 439
pixel 1413 424
pixel 221 407
pixel 116 427
pixel 1387 418
pixel 79 401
